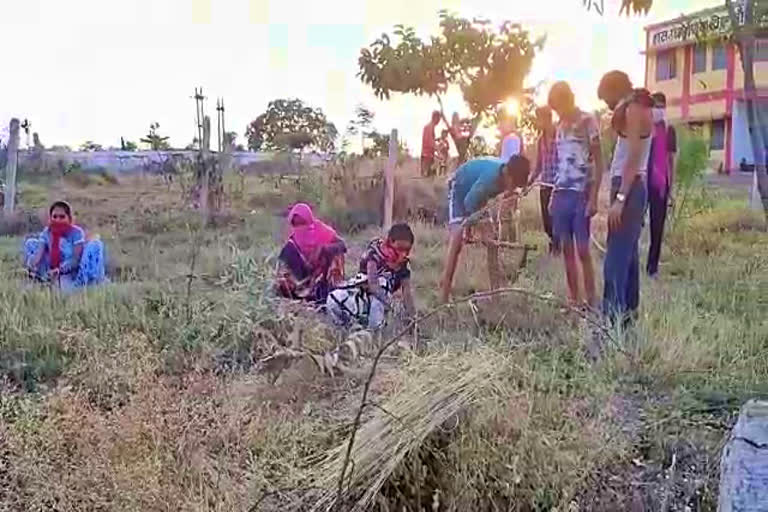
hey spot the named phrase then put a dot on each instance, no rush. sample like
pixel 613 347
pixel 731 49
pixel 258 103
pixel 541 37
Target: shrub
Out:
pixel 20 223
pixel 692 162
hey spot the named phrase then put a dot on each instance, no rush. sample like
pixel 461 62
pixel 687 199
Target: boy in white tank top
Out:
pixel 632 120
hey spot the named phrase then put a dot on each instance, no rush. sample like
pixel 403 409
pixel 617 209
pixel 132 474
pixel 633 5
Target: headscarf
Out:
pixel 58 229
pixel 392 257
pixel 313 235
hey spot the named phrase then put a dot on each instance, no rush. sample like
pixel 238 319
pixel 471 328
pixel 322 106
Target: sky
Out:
pixel 101 69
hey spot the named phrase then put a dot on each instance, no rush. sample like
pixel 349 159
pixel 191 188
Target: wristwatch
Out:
pixel 620 197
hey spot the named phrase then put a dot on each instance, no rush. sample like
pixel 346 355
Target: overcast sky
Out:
pixel 101 69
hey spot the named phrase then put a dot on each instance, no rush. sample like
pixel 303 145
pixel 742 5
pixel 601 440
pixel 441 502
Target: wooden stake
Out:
pixel 389 180
pixel 206 147
pixel 10 168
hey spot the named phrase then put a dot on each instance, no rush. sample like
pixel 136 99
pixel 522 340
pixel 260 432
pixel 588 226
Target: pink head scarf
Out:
pixel 311 236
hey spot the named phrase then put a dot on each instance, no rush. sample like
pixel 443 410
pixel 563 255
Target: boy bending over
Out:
pixel 472 186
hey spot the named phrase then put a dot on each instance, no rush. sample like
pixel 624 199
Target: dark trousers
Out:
pixel 545 193
pixel 621 268
pixel 657 203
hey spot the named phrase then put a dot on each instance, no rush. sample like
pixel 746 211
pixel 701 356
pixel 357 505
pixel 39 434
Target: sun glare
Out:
pixel 512 106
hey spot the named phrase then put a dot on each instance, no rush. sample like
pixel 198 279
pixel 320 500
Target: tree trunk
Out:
pixel 389 180
pixel 10 167
pixel 758 132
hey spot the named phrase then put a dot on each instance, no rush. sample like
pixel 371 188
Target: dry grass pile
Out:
pixel 471 431
pixel 401 424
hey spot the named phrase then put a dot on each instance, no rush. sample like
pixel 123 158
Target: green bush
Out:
pixel 692 162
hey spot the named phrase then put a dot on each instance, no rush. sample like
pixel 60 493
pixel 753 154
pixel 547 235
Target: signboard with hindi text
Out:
pixel 708 23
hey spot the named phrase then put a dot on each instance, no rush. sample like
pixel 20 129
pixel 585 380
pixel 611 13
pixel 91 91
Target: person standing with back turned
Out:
pixel 633 123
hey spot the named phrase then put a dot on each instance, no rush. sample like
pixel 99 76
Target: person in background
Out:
pixel 577 176
pixel 661 178
pixel 632 121
pixel 312 260
pixel 384 270
pixel 443 149
pixel 473 184
pixel 546 160
pixel 61 255
pixel 511 141
pixel 428 145
pixel 460 133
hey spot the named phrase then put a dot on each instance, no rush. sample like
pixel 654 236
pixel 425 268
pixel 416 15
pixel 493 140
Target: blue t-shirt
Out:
pixel 67 244
pixel 475 182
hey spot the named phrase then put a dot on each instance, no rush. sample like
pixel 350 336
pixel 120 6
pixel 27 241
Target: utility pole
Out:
pixel 199 115
pixel 218 125
pixel 221 127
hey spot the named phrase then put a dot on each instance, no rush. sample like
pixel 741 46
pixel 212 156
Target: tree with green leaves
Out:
pixel 488 64
pixel 154 140
pixel 359 125
pixel 89 145
pixel 289 124
pixel 379 146
pixel 128 145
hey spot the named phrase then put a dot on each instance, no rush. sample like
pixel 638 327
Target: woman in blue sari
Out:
pixel 61 255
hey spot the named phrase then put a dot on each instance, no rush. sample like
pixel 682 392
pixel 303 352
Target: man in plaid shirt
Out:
pixel 544 172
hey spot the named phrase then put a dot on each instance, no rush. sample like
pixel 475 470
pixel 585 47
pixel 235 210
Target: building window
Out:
pixel 719 60
pixel 666 65
pixel 699 58
pixel 761 50
pixel 717 141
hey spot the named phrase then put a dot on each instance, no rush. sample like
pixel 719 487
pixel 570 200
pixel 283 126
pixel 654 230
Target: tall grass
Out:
pixel 117 399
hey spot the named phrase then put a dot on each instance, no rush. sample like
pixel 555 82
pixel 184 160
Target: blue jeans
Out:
pixel 621 269
pixel 570 222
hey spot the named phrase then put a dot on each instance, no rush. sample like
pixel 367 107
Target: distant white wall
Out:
pixel 130 161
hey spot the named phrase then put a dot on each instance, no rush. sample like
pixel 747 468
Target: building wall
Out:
pixel 671 88
pixel 710 95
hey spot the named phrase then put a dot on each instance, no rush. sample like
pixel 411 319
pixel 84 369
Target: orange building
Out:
pixel 704 82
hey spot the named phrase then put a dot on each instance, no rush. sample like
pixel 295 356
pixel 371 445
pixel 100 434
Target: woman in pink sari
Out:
pixel 312 259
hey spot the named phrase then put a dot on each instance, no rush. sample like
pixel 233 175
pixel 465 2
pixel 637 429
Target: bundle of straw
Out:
pixel 436 389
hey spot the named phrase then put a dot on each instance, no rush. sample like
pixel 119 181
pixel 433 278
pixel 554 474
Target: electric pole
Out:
pixel 199 115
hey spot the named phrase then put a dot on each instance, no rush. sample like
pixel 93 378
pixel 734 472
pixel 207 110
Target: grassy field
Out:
pixel 148 393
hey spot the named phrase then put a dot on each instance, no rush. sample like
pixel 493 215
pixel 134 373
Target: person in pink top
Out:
pixel 661 173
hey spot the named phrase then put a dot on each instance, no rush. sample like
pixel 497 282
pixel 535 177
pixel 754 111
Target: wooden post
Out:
pixel 389 180
pixel 10 168
pixel 204 153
